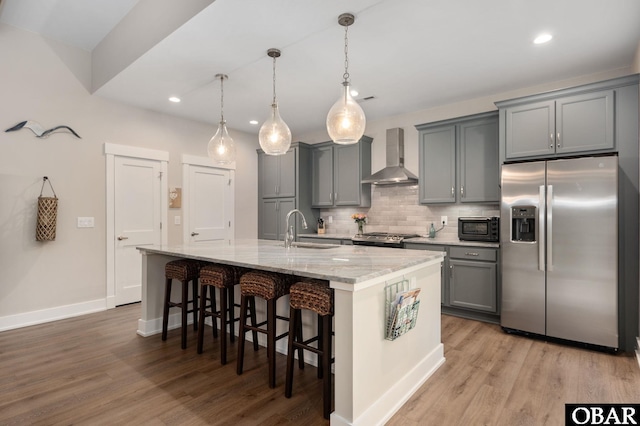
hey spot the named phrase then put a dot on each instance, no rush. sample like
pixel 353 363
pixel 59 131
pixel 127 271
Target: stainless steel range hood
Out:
pixel 394 173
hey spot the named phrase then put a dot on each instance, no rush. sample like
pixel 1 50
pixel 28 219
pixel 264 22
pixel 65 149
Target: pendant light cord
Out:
pixel 274 79
pixel 346 55
pixel 222 98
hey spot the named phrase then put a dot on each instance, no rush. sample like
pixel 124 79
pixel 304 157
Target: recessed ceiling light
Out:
pixel 542 38
pixel 174 99
pixel 254 122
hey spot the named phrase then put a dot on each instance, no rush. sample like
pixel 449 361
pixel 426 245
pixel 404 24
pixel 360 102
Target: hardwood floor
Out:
pixel 95 370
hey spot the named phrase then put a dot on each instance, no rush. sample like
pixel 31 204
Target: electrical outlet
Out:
pixel 443 220
pixel 86 222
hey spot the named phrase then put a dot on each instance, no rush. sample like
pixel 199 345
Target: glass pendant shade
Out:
pixel 275 136
pixel 221 148
pixel 346 120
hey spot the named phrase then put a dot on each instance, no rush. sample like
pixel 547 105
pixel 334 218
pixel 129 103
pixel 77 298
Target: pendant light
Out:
pixel 221 148
pixel 346 120
pixel 274 136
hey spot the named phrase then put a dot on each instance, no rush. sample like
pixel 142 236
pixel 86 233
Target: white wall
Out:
pixel 47 82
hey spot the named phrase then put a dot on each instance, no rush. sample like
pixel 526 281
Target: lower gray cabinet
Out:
pixel 469 280
pixel 473 279
pixel 272 215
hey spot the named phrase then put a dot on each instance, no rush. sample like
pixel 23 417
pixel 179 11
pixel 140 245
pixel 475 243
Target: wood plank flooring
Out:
pixel 95 370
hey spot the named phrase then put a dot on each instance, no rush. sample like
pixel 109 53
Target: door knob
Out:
pixel 193 234
pixel 120 238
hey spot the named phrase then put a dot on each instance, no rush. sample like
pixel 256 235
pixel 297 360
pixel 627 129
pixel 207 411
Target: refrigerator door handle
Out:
pixel 541 232
pixel 550 227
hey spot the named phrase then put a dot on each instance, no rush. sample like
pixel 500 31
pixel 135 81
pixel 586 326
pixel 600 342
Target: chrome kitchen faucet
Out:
pixel 289 236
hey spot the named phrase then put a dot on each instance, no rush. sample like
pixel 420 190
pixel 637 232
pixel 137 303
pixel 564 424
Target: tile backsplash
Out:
pixel 395 208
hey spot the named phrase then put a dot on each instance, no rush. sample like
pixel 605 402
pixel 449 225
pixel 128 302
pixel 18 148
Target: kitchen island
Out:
pixel 373 376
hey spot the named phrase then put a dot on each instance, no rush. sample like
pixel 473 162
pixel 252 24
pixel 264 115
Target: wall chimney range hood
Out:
pixel 394 173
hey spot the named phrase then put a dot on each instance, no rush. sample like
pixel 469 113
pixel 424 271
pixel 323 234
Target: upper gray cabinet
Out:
pixel 284 184
pixel 565 125
pixel 277 175
pixel 459 160
pixel 337 172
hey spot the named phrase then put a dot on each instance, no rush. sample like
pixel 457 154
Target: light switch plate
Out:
pixel 176 220
pixel 86 222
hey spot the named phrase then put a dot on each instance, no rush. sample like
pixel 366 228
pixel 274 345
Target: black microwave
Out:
pixel 479 229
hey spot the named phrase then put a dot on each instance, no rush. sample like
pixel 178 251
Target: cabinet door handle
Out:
pixel 450 271
pixel 193 234
pixel 453 191
pixel 558 140
pixel 462 191
pixel 472 253
pixel 335 196
pixel 551 140
pixel 331 197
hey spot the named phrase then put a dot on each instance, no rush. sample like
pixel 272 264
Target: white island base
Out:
pixel 374 377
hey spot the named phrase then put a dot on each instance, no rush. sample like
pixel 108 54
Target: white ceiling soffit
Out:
pixel 408 54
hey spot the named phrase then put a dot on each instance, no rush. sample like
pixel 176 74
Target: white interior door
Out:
pixel 210 204
pixel 137 221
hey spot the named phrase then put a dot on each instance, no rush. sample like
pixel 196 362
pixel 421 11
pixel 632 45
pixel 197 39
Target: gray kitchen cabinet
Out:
pixel 284 184
pixel 473 278
pixel 272 217
pixel 277 175
pixel 566 125
pixel 337 172
pixel 470 280
pixel 459 160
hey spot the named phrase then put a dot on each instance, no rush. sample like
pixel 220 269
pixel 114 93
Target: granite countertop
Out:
pixel 448 241
pixel 330 236
pixel 439 240
pixel 344 263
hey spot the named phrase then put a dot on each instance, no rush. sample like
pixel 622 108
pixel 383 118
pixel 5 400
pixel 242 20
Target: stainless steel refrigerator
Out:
pixel 559 245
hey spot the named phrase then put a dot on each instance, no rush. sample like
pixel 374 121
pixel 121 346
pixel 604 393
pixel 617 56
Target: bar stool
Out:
pixel 315 296
pixel 270 287
pixel 183 270
pixel 224 278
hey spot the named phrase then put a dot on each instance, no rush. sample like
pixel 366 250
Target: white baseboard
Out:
pixel 11 322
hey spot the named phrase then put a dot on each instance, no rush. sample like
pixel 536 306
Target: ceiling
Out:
pixel 408 54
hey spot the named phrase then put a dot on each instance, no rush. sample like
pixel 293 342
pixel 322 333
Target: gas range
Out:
pixel 382 239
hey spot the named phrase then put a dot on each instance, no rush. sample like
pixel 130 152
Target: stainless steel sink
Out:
pixel 314 245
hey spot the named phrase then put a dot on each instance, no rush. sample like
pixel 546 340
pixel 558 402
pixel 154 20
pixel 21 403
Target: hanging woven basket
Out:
pixel 47 214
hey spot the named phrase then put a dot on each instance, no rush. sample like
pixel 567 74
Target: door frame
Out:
pixel 112 151
pixel 191 160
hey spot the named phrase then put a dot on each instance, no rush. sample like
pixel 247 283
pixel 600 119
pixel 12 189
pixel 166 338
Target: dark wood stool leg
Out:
pixel 241 333
pixel 320 346
pixel 165 314
pixel 223 325
pixel 203 308
pixel 271 341
pixel 326 363
pixel 299 338
pixel 231 303
pixel 293 325
pixel 214 318
pixel 185 308
pixel 194 303
pixel 254 321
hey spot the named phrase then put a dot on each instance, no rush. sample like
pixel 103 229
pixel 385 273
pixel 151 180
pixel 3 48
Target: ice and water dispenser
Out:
pixel 523 223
